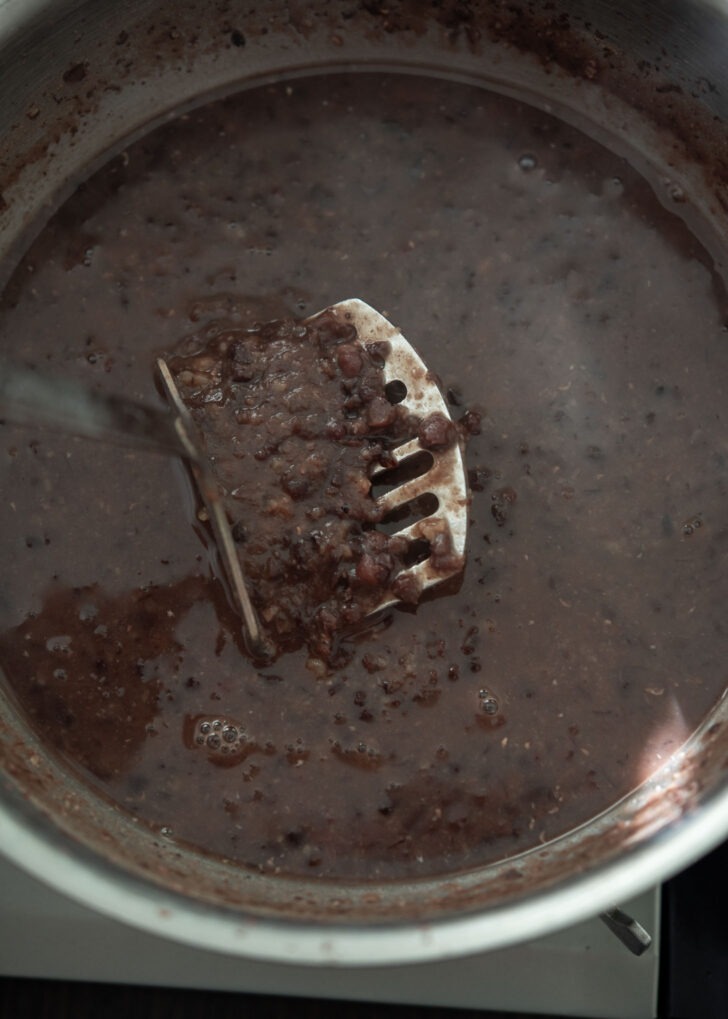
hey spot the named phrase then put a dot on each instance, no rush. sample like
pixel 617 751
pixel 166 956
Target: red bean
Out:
pixel 349 360
pixel 380 413
pixel 374 570
pixel 436 431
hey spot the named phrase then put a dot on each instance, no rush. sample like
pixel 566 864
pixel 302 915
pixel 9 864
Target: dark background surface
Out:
pixel 37 999
pixel 694 955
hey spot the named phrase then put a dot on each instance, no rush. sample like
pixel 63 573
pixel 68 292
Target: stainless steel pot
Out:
pixel 76 79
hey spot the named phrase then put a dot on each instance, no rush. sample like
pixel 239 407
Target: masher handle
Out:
pixel 29 397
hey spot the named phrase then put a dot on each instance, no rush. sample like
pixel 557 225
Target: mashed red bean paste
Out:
pixel 558 295
pixel 295 418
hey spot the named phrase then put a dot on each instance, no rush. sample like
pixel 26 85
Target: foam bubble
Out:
pixel 224 739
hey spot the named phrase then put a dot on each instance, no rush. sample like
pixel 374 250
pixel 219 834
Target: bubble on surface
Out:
pixel 224 740
pixel 613 187
pixel 675 191
pixel 527 162
pixel 60 644
pixel 359 754
pixel 691 526
pixel 488 702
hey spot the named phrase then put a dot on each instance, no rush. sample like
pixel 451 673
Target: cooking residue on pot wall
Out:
pixel 556 298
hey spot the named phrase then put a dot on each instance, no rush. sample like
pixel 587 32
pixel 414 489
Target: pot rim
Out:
pixel 122 896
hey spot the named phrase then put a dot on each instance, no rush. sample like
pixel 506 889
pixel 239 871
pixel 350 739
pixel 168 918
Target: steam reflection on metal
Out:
pixel 668 770
pixel 664 741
